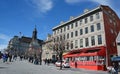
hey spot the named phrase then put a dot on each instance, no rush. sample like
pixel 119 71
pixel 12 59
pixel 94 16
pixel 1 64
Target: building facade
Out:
pixel 91 37
pixel 14 45
pixel 20 45
pixel 118 44
pixel 48 52
pixel 35 49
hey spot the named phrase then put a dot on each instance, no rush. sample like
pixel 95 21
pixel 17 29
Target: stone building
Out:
pixel 20 45
pixel 118 44
pixel 48 52
pixel 35 49
pixel 91 37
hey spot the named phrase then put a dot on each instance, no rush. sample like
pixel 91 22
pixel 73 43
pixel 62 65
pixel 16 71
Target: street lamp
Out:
pixel 40 55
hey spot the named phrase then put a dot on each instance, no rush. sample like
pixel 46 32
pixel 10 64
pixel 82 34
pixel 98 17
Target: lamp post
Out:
pixel 40 56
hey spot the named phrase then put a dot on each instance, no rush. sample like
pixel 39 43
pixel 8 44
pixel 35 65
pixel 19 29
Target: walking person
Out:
pixel 75 64
pixel 115 66
pixel 0 55
pixel 113 69
pixel 15 57
pixel 10 57
pixel 48 62
pixel 4 57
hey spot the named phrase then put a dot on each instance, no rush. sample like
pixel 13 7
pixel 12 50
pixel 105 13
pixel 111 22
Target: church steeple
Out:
pixel 34 35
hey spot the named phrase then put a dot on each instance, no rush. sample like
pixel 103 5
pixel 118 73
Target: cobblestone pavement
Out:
pixel 24 67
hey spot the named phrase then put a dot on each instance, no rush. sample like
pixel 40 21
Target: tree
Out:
pixel 59 47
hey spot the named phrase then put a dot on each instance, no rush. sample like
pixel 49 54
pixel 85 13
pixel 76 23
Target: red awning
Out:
pixel 95 51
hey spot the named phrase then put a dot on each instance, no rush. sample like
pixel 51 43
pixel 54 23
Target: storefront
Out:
pixel 87 58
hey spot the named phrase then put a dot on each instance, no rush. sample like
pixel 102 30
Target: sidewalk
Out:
pixel 89 71
pixel 24 67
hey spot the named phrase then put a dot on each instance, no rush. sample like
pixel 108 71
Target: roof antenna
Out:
pixel 35 25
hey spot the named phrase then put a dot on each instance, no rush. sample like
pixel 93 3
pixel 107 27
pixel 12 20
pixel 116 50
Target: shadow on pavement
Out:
pixel 3 67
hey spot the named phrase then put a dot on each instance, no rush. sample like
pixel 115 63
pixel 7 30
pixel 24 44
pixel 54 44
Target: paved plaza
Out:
pixel 24 67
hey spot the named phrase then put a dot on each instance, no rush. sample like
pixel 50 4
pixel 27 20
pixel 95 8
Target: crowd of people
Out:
pixel 7 57
pixel 34 59
pixel 48 61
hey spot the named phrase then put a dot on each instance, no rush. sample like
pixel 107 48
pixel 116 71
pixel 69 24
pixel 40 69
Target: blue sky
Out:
pixel 22 15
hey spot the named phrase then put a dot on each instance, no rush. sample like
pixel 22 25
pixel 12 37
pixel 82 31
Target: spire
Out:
pixel 34 35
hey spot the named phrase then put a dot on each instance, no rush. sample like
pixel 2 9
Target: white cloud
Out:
pixel 73 1
pixel 106 2
pixel 3 46
pixel 4 37
pixel 110 3
pixel 4 41
pixel 42 5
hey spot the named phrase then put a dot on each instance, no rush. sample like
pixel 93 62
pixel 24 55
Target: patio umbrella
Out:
pixel 117 59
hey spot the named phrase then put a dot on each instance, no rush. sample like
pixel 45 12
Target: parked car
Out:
pixel 64 64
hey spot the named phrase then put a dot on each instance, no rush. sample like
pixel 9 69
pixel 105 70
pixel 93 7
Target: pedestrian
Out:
pixel 75 64
pixel 115 66
pixel 0 55
pixel 4 57
pixel 48 62
pixel 36 60
pixel 45 60
pixel 10 57
pixel 15 57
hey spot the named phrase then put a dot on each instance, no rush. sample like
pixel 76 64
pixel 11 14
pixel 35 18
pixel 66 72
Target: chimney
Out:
pixel 86 10
pixel 71 17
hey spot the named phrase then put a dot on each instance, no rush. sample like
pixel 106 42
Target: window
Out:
pixel 71 26
pixel 113 14
pixel 76 43
pixel 99 39
pixel 91 18
pixel 111 30
pixel 64 37
pixel 60 38
pixel 80 21
pixel 86 30
pixel 93 40
pixel 58 31
pixel 86 20
pixel 97 16
pixel 81 31
pixel 92 28
pixel 68 27
pixel 98 26
pixel 64 28
pixel 54 32
pixel 109 12
pixel 54 40
pixel 61 30
pixel 114 24
pixel 71 44
pixel 110 20
pixel 81 42
pixel 86 42
pixel 91 58
pixel 67 45
pixel 71 34
pixel 76 24
pixel 76 33
pixel 67 35
pixel 57 38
